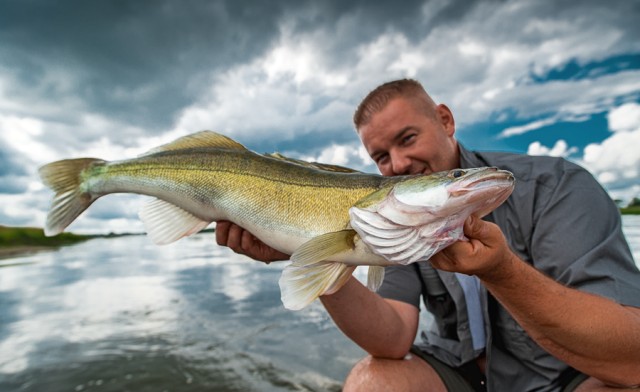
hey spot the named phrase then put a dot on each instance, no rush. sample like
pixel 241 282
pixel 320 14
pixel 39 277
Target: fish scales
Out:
pixel 330 219
pixel 243 184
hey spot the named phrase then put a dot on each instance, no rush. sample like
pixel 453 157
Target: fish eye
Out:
pixel 456 173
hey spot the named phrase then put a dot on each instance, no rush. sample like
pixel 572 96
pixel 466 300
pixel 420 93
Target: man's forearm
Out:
pixel 588 332
pixel 381 328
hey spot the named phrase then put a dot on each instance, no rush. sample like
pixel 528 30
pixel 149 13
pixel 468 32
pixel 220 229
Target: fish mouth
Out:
pixel 486 190
pixel 490 178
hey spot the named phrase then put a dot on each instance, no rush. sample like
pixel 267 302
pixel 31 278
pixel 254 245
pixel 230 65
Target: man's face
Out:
pixel 402 139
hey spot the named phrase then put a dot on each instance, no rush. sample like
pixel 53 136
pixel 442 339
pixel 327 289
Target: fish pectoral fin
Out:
pixel 199 140
pixel 302 284
pixel 323 247
pixel 166 222
pixel 375 277
pixel 310 275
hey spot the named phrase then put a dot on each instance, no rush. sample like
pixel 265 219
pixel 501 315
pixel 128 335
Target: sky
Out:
pixel 113 79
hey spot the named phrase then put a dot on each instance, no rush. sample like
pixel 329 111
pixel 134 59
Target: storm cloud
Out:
pixel 112 79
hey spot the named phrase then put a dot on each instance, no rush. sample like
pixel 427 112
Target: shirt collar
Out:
pixel 468 159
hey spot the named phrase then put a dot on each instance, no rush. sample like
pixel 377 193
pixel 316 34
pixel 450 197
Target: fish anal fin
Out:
pixel 166 222
pixel 302 284
pixel 199 140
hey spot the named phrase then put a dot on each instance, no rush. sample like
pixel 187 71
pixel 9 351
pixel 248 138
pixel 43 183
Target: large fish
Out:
pixel 330 219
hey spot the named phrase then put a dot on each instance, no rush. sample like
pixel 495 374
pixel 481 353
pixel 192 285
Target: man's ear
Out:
pixel 446 118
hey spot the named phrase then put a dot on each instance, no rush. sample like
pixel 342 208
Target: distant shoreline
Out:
pixel 21 241
pixel 21 250
pixel 635 210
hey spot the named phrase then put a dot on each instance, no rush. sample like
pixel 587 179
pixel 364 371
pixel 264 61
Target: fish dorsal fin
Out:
pixel 166 223
pixel 314 165
pixel 198 140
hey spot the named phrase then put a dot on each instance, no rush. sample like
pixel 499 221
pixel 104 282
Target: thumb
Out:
pixel 485 232
pixel 473 227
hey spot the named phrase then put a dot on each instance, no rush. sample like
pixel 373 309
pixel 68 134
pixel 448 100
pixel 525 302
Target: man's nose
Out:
pixel 400 164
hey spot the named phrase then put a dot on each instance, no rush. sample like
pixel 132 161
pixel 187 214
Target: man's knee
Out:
pixel 369 374
pixel 376 374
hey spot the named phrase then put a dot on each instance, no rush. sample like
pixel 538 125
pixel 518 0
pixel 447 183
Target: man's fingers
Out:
pixel 234 240
pixel 222 232
pixel 243 242
pixel 247 241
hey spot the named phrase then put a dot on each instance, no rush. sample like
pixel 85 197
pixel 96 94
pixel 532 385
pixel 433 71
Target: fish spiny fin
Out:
pixel 315 165
pixel 65 178
pixel 302 284
pixel 375 277
pixel 166 222
pixel 322 247
pixel 198 140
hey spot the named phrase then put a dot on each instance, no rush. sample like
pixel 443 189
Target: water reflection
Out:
pixel 123 314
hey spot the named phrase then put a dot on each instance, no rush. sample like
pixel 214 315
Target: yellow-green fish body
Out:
pixel 303 209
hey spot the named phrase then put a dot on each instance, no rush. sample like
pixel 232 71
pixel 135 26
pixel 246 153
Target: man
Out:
pixel 547 298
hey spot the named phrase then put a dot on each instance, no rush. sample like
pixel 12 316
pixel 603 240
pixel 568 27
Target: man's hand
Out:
pixel 486 254
pixel 242 242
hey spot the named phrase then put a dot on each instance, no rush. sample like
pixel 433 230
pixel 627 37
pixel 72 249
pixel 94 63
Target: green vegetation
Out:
pixel 34 237
pixel 631 210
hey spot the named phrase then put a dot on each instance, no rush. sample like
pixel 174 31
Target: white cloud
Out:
pixel 616 160
pixel 519 130
pixel 480 63
pixel 625 117
pixel 560 149
pixel 22 133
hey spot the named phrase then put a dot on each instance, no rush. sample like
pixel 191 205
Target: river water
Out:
pixel 123 314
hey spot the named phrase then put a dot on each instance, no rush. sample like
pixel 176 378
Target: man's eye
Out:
pixel 381 159
pixel 407 139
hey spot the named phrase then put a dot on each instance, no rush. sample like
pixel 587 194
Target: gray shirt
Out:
pixel 558 219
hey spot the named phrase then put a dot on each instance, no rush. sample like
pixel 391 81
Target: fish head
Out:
pixel 477 190
pixel 417 216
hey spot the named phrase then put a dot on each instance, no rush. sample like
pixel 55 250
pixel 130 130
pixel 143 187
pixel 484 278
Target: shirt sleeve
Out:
pixel 577 239
pixel 401 283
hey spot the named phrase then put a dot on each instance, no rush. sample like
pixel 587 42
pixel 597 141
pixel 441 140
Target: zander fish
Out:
pixel 329 218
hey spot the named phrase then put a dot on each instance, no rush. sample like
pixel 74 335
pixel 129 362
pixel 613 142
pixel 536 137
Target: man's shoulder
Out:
pixel 525 167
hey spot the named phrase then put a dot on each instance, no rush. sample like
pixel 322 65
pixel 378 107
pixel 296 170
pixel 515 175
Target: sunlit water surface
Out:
pixel 125 315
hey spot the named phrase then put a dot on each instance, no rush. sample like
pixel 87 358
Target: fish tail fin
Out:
pixel 310 275
pixel 64 178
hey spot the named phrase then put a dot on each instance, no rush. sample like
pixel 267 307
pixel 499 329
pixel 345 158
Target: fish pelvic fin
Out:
pixel 166 222
pixel 65 178
pixel 375 277
pixel 199 140
pixel 310 275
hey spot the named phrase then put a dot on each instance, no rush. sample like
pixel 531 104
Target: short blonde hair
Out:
pixel 377 99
